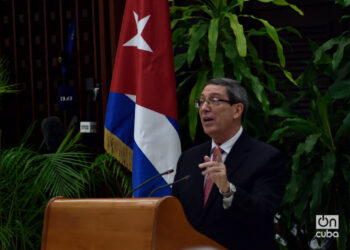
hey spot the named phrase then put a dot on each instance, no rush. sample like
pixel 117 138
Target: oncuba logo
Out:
pixel 328 224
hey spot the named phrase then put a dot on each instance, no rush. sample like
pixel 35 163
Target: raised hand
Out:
pixel 216 171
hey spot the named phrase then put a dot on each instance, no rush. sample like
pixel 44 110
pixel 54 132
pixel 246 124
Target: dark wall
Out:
pixel 34 37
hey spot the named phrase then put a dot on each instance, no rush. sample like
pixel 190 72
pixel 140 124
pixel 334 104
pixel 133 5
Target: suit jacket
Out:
pixel 258 172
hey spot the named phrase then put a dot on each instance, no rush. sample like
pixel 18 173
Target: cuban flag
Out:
pixel 141 128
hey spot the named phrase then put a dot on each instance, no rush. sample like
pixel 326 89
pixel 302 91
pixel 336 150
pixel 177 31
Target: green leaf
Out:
pixel 301 126
pixel 254 32
pixel 231 53
pixel 5 86
pixel 286 73
pixel 220 4
pixel 6 236
pixel 308 76
pixel 310 142
pixel 296 157
pixel 240 4
pixel 343 72
pixel 289 76
pixel 183 83
pixel 340 89
pixel 344 3
pixel 321 51
pixel 271 31
pixel 281 112
pixel 192 110
pixel 179 60
pixel 259 92
pixel 338 54
pixel 283 3
pixel 328 166
pixel 344 130
pixel 175 20
pixel 178 36
pixel 208 8
pixel 213 33
pixel 238 31
pixel 57 177
pixel 346 120
pixel 291 30
pixel 197 31
pixel 322 108
pixel 316 193
pixel 302 202
pixel 292 189
pixel 277 134
pixel 214 3
pixel 229 50
pixel 218 66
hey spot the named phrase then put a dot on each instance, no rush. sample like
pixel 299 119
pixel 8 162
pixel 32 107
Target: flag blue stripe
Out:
pixel 120 117
pixel 146 170
pixel 174 123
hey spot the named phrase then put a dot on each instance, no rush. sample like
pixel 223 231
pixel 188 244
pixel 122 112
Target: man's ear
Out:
pixel 238 110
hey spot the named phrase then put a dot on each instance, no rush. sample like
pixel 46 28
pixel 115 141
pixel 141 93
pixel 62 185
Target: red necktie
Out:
pixel 209 182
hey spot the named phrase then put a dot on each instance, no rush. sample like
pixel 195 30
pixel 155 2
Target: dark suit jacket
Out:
pixel 258 172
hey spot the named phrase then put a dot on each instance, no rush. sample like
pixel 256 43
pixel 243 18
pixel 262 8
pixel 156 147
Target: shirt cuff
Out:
pixel 227 201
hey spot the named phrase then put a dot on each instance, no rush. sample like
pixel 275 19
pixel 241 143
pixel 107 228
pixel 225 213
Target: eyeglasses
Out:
pixel 212 101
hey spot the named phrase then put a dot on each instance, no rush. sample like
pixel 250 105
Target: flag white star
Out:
pixel 138 40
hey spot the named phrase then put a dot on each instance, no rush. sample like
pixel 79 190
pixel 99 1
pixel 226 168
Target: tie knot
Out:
pixel 214 152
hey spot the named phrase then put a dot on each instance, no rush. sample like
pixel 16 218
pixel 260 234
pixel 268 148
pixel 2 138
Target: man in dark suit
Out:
pixel 237 182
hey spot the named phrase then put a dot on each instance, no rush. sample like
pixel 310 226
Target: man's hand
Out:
pixel 216 171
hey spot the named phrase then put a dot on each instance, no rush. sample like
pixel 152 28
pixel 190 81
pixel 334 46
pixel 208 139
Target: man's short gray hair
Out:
pixel 235 91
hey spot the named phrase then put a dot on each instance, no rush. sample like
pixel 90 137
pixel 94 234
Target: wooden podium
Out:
pixel 105 224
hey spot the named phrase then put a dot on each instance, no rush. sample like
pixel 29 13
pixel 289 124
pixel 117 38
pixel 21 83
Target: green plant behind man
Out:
pixel 320 172
pixel 210 41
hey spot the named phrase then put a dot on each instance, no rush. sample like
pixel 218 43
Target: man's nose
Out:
pixel 205 106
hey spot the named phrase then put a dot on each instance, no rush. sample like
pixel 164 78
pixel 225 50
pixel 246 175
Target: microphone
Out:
pixel 149 180
pixel 170 184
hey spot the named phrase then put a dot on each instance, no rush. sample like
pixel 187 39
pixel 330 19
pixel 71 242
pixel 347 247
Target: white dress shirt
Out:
pixel 226 148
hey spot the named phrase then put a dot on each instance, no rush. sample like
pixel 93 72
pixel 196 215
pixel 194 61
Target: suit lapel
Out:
pixel 237 155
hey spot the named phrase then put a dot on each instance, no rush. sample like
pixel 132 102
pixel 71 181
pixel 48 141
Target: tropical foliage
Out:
pixel 210 41
pixel 5 87
pixel 106 178
pixel 345 3
pixel 320 173
pixel 29 179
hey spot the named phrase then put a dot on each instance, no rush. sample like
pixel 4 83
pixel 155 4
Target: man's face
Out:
pixel 220 121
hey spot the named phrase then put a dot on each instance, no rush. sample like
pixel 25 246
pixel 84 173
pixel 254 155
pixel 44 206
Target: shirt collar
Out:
pixel 227 145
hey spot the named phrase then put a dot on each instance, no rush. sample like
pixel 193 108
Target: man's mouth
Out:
pixel 207 120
